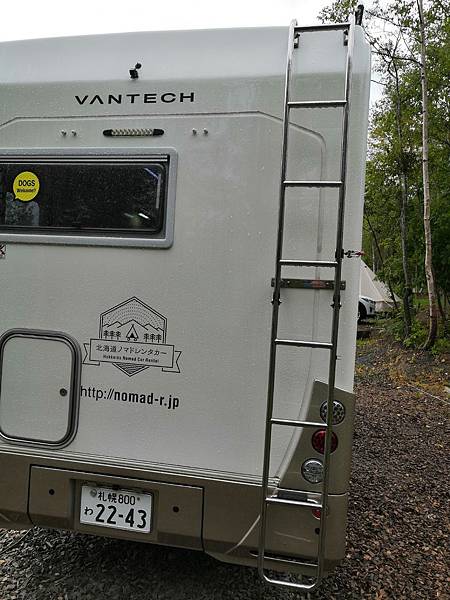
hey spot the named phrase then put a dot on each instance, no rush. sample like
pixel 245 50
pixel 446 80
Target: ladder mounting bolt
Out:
pixel 352 253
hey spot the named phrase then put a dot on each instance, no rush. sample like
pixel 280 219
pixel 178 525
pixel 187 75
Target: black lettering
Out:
pixel 143 516
pixel 149 98
pixel 130 518
pixel 81 100
pixel 96 98
pixel 142 398
pixel 98 518
pixel 111 516
pixel 134 397
pixel 176 402
pixel 116 395
pixel 132 97
pixel 117 99
pixel 189 97
pixel 172 96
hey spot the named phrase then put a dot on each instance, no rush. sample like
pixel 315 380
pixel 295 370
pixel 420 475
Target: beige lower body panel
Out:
pixel 54 501
pixel 220 517
pixel 232 528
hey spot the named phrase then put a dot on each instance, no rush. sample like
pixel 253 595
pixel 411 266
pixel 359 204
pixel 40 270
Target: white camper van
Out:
pixel 179 288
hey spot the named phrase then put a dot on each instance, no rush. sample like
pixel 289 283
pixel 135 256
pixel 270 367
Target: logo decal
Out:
pixel 144 98
pixel 132 337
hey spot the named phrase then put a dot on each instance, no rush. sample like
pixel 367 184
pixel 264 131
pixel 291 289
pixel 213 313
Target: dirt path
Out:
pixel 398 531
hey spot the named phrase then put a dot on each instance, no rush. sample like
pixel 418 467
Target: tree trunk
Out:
pixel 441 307
pixel 407 290
pixel 407 299
pixel 431 286
pixel 374 258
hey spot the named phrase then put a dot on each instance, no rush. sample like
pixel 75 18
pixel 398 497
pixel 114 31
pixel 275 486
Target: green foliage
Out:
pixel 395 143
pixel 395 328
pixel 338 11
pixel 442 346
pixel 417 337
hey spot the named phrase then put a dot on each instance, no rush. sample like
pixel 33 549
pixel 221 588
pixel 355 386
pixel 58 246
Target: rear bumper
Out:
pixel 218 516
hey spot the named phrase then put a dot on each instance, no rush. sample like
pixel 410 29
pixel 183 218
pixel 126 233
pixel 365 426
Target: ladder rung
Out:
pixel 287 561
pixel 302 503
pixel 294 423
pixel 281 493
pixel 304 344
pixel 317 104
pixel 291 563
pixel 319 27
pixel 307 263
pixel 312 184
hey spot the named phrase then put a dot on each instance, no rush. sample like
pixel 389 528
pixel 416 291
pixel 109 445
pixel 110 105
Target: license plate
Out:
pixel 118 509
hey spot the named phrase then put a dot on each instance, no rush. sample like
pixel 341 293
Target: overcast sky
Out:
pixel 22 19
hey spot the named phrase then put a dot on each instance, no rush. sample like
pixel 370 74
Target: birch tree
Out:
pixel 431 285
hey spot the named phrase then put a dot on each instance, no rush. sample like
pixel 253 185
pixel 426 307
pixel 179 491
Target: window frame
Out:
pixel 137 238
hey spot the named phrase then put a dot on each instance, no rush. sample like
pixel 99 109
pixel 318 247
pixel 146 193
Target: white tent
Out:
pixel 371 287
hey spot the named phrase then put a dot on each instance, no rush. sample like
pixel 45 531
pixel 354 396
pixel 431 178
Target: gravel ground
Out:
pixel 398 523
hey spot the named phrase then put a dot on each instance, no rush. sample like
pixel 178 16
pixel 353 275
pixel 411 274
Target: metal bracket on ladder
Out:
pixel 272 498
pixel 308 284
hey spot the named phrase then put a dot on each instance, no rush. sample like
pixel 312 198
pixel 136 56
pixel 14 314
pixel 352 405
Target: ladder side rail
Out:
pixel 275 306
pixel 335 323
pixel 336 303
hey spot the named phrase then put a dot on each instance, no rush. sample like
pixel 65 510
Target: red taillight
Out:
pixel 318 441
pixel 316 513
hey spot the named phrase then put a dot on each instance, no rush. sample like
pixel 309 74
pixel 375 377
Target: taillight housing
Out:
pixel 312 470
pixel 318 441
pixel 338 412
pixel 316 513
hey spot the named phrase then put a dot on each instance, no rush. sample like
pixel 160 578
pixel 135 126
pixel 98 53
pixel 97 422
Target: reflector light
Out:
pixel 132 132
pixel 318 441
pixel 317 513
pixel 338 412
pixel 312 470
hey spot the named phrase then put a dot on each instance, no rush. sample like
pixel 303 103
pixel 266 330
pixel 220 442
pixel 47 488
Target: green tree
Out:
pixel 408 164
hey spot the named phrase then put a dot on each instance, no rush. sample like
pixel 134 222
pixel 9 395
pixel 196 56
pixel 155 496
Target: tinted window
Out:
pixel 83 196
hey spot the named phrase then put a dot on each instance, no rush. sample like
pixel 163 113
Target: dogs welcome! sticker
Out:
pixel 26 186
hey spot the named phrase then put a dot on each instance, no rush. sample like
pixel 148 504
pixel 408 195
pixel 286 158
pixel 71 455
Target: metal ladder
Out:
pixel 268 499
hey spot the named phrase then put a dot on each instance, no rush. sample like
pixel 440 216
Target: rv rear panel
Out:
pixel 138 223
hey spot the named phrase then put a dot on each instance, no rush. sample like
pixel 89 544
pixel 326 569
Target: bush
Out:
pixel 441 346
pixel 418 336
pixel 395 326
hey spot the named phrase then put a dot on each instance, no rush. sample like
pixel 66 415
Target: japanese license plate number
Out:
pixel 118 509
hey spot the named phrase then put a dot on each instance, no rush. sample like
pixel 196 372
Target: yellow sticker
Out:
pixel 26 186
